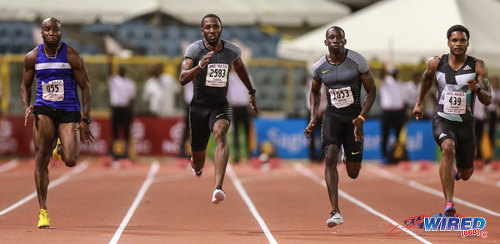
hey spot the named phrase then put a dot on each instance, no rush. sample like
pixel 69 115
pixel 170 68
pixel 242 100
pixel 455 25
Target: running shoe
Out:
pixel 44 219
pixel 335 220
pixel 218 195
pixel 449 209
pixel 56 153
pixel 196 173
pixel 457 177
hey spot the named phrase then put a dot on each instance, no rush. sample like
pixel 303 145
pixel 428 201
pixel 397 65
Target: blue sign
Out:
pixel 420 143
pixel 287 136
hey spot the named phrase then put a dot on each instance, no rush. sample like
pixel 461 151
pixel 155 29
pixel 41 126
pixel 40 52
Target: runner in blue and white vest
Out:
pixel 59 70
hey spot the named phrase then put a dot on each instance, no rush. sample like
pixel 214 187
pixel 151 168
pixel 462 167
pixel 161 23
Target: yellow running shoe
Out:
pixel 44 221
pixel 55 154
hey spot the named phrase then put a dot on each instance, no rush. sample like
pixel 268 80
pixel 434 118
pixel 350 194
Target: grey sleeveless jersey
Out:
pixel 211 83
pixel 342 83
pixel 456 101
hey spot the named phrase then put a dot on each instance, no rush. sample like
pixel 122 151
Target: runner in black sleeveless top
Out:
pixel 460 79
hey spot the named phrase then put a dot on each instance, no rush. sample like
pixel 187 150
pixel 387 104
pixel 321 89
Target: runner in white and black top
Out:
pixel 343 72
pixel 207 63
pixel 460 79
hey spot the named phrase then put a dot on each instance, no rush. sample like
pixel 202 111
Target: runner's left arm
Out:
pixel 240 69
pixel 82 78
pixel 482 87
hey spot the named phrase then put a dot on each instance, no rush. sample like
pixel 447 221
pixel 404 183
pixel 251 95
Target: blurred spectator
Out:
pixel 430 102
pixel 238 99
pixel 392 101
pixel 122 94
pixel 480 115
pixel 493 112
pixel 188 96
pixel 313 156
pixel 160 91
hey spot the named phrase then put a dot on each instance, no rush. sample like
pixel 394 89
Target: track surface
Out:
pixel 158 201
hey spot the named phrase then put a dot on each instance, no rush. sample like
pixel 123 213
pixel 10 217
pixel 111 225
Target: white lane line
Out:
pixel 68 175
pixel 250 205
pixel 485 181
pixel 144 188
pixel 8 166
pixel 307 173
pixel 412 183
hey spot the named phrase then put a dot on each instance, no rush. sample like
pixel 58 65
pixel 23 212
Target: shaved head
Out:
pixel 50 20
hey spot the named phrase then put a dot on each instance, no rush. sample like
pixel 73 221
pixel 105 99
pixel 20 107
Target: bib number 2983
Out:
pixel 217 75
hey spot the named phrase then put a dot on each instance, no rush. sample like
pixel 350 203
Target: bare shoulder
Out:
pixel 480 63
pixel 74 57
pixel 30 57
pixel 433 62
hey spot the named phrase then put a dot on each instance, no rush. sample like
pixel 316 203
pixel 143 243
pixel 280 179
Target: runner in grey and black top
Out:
pixel 207 64
pixel 344 72
pixel 210 85
pixel 342 83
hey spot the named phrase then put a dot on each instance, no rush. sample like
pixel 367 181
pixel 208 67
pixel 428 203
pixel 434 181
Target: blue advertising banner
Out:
pixel 287 136
pixel 420 143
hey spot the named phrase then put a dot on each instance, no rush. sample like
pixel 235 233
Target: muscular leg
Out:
pixel 446 171
pixel 221 150
pixel 43 137
pixel 331 174
pixel 70 142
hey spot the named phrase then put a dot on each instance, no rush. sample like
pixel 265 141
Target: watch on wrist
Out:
pixel 86 120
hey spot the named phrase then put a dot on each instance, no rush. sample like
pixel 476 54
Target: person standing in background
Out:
pixel 392 101
pixel 480 115
pixel 492 110
pixel 237 97
pixel 159 92
pixel 122 92
pixel 188 96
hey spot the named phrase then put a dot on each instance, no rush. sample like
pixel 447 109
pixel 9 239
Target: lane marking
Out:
pixel 250 205
pixel 68 175
pixel 155 166
pixel 485 181
pixel 8 166
pixel 309 174
pixel 414 184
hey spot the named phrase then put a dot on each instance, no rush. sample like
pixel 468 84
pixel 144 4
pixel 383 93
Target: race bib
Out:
pixel 217 75
pixel 341 97
pixel 53 90
pixel 454 102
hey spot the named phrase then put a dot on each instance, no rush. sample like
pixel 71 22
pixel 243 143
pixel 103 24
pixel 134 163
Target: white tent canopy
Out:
pixel 408 31
pixel 238 12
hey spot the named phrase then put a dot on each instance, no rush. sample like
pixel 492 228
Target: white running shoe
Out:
pixel 218 196
pixel 197 174
pixel 335 220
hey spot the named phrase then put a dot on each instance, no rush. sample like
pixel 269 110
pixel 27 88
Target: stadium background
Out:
pixel 151 32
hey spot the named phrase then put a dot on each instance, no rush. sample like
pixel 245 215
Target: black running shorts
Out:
pixel 341 133
pixel 58 115
pixel 201 122
pixel 462 133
